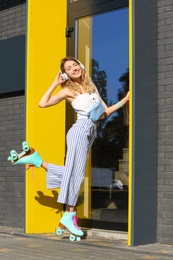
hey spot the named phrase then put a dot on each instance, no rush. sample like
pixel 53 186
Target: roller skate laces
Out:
pixel 69 220
pixel 75 222
pixel 31 166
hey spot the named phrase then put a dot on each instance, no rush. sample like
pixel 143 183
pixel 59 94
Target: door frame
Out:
pixel 75 11
pixel 143 127
pixel 85 8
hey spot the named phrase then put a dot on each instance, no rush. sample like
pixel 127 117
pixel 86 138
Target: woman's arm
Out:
pixel 48 99
pixel 115 107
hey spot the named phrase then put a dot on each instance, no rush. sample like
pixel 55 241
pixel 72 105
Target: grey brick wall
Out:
pixel 12 187
pixel 12 18
pixel 165 122
pixel 12 126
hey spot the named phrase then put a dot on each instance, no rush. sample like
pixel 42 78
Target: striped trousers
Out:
pixel 69 178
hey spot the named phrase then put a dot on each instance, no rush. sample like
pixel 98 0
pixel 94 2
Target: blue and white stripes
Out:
pixel 70 177
pixel 54 176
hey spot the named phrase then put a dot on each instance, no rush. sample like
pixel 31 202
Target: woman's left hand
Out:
pixel 127 96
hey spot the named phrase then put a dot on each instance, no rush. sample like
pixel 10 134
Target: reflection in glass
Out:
pixel 72 1
pixel 103 48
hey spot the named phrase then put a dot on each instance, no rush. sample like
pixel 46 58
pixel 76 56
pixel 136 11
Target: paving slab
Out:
pixel 98 244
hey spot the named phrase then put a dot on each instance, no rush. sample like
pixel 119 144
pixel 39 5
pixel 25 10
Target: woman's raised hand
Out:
pixel 58 79
pixel 127 96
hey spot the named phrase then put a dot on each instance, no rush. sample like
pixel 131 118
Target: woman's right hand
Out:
pixel 50 100
pixel 58 79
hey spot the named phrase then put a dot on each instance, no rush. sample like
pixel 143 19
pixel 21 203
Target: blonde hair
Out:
pixel 86 81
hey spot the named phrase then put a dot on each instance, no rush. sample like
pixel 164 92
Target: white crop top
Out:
pixel 84 102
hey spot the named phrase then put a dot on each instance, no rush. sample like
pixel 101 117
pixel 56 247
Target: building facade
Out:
pixel 13 26
pixel 25 46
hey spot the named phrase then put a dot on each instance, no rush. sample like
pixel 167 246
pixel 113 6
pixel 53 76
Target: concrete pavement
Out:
pixel 16 245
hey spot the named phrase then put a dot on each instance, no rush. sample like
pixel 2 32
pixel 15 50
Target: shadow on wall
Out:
pixel 52 203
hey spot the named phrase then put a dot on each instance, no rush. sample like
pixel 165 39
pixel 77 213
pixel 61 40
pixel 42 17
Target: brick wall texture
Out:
pixel 12 124
pixel 165 122
pixel 12 188
pixel 12 18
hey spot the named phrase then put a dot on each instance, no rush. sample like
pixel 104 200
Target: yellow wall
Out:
pixel 45 128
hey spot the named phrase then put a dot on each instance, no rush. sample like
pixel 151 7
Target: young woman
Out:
pixel 79 90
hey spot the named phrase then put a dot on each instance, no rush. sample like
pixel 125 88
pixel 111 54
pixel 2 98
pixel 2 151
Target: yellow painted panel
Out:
pixel 84 55
pixel 130 125
pixel 45 128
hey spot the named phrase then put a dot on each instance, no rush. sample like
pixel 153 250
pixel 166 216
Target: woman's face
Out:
pixel 72 69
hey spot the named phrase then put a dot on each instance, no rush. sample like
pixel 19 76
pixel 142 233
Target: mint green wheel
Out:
pixel 59 231
pixel 25 147
pixel 14 155
pixel 78 238
pixel 72 237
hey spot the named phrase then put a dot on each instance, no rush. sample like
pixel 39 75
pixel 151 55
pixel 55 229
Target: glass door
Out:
pixel 101 44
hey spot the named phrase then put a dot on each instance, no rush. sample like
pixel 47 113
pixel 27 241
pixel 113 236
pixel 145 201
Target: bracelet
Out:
pixel 119 104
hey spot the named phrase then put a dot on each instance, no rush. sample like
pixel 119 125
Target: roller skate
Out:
pixel 27 156
pixel 69 222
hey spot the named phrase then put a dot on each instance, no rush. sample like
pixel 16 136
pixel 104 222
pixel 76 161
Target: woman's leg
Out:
pixel 79 140
pixel 70 208
pixel 44 165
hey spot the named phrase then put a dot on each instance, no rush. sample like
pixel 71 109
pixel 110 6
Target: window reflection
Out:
pixel 72 1
pixel 103 44
pixel 110 149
